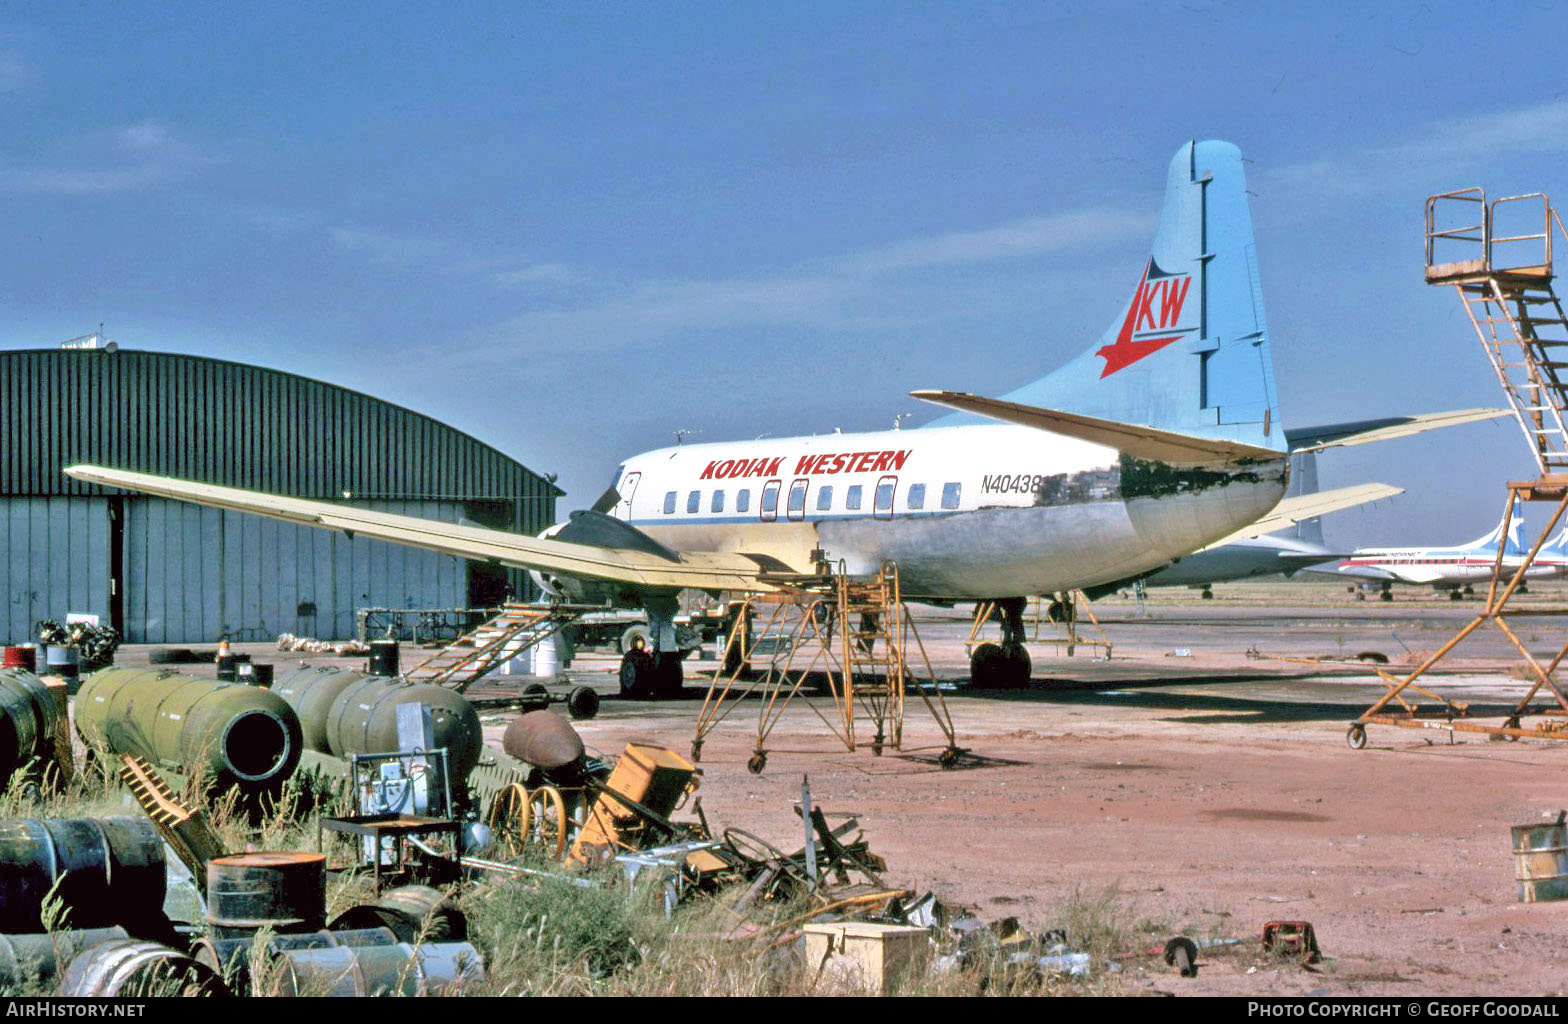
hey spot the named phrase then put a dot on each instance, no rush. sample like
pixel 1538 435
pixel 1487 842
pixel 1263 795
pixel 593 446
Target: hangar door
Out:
pixel 54 553
pixel 194 574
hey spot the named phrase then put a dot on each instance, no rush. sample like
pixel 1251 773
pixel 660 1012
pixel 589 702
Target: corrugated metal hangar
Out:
pixel 164 571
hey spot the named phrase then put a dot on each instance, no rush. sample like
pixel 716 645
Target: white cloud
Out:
pixel 133 157
pixel 865 289
pixel 1448 144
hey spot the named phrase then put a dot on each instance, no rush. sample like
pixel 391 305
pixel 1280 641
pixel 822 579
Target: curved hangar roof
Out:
pixel 232 424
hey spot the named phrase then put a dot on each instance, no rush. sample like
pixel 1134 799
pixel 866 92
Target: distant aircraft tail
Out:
pixel 1513 545
pixel 1304 480
pixel 1189 352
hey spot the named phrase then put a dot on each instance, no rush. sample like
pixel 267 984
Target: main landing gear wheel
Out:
pixel 637 675
pixel 1356 736
pixel 669 673
pixel 757 762
pixel 988 666
pixel 993 666
pixel 949 757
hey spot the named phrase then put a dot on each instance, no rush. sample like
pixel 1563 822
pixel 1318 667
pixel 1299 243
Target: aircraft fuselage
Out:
pixel 967 512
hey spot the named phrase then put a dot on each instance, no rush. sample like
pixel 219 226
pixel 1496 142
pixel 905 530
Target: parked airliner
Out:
pixel 1162 437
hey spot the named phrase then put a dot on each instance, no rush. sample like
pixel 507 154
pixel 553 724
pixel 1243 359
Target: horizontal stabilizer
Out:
pixel 1138 441
pixel 1315 439
pixel 1305 506
pixel 701 570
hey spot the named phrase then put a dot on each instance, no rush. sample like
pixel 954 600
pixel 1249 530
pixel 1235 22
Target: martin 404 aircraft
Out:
pixel 1163 437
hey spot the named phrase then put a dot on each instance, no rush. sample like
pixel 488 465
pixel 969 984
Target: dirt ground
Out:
pixel 1214 788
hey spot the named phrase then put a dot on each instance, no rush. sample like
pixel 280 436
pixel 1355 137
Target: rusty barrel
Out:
pixel 428 970
pixel 105 871
pixel 1541 861
pixel 130 968
pixel 284 891
pixel 29 718
pixel 414 913
pixel 231 957
pixel 22 656
pixel 39 958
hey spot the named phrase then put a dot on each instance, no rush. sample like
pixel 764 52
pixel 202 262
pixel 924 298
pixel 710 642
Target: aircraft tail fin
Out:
pixel 1189 352
pixel 1512 545
pixel 1304 480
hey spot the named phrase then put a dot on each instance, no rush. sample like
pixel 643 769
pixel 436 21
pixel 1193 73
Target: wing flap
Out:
pixel 1138 441
pixel 697 569
pixel 1306 506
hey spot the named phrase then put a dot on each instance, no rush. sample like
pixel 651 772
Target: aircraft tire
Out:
pixel 988 667
pixel 637 675
pixel 635 638
pixel 669 674
pixel 1019 667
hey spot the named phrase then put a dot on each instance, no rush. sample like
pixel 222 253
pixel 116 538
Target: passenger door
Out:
pixel 628 488
pixel 768 507
pixel 887 488
pixel 796 509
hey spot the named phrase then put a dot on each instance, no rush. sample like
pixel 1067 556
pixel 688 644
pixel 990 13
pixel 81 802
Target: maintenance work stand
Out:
pixel 1504 278
pixel 850 640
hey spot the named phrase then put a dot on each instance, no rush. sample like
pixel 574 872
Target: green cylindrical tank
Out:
pixel 28 719
pixel 239 735
pixel 310 691
pixel 363 720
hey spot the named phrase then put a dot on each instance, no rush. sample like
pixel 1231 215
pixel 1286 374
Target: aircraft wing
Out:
pixel 1315 439
pixel 700 570
pixel 1138 441
pixel 1305 506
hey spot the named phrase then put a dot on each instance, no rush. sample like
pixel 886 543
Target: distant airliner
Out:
pixel 1162 437
pixel 1457 568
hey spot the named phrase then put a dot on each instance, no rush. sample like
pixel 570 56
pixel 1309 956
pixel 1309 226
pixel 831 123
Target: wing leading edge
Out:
pixel 702 570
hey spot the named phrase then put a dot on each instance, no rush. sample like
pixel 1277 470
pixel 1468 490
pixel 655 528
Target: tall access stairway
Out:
pixel 1504 278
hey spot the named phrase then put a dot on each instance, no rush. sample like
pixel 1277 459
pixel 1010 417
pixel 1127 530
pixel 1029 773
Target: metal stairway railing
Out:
pixel 1505 284
pixel 485 647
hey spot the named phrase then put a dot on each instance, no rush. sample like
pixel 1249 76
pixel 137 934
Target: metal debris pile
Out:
pixel 95 645
pixel 309 645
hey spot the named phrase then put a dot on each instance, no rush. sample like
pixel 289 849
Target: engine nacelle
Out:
pixel 595 529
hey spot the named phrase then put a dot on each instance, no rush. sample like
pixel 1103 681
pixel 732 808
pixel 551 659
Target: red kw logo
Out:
pixel 1143 334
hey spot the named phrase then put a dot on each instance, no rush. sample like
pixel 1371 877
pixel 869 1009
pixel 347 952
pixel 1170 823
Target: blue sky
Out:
pixel 572 229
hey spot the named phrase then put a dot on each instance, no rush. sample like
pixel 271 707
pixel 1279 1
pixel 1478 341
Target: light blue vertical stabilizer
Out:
pixel 1488 542
pixel 1189 352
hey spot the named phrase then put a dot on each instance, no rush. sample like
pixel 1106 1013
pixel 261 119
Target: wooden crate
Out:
pixel 879 957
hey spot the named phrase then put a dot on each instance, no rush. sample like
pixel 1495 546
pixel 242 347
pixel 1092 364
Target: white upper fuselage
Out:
pixel 973 511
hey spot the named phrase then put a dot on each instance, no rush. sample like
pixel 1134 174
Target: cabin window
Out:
pixel 669 503
pixel 797 498
pixel 770 500
pixel 718 502
pixel 884 499
pixel 852 498
pixel 743 500
pixel 693 502
pixel 824 498
pixel 916 498
pixel 950 495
